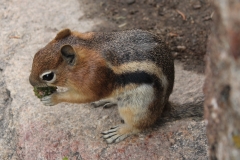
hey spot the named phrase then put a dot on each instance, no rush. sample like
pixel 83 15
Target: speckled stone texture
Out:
pixel 222 87
pixel 31 131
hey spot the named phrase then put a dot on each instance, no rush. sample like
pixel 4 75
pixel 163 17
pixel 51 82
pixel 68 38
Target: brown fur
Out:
pixel 132 68
pixel 64 33
pixel 87 81
pixel 86 36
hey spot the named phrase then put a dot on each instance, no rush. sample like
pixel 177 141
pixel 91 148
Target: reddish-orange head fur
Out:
pixel 72 64
pixel 48 59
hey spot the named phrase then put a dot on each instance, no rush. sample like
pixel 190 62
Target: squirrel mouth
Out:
pixel 41 85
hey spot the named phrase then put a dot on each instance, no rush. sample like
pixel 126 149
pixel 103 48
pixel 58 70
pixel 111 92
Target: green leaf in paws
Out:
pixel 41 92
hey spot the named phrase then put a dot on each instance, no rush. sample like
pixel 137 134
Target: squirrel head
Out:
pixel 52 63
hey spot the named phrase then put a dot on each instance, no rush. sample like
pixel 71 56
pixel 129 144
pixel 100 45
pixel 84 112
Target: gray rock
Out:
pixel 222 87
pixel 25 27
pixel 29 130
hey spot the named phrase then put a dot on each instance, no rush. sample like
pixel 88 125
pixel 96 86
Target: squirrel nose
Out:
pixel 31 81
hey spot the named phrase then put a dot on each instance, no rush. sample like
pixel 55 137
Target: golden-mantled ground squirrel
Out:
pixel 133 69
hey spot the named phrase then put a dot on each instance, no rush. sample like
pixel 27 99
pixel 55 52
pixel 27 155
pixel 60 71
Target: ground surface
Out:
pixel 29 130
pixel 184 25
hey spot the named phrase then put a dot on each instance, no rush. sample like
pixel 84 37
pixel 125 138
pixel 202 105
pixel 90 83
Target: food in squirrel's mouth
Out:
pixel 41 92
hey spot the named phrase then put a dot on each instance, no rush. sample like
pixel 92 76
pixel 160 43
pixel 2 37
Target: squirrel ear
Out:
pixel 68 54
pixel 62 34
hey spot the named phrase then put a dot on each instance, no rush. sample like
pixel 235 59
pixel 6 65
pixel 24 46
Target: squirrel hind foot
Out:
pixel 118 133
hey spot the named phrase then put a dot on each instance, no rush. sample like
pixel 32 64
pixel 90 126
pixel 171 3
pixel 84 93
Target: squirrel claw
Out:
pixel 104 104
pixel 112 136
pixel 109 105
pixel 113 129
pixel 47 101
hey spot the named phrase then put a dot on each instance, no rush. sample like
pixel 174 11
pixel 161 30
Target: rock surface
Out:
pixel 222 87
pixel 32 131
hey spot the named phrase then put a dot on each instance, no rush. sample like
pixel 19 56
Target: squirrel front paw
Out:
pixel 48 100
pixel 103 104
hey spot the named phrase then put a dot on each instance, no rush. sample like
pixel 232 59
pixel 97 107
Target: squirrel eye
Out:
pixel 48 76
